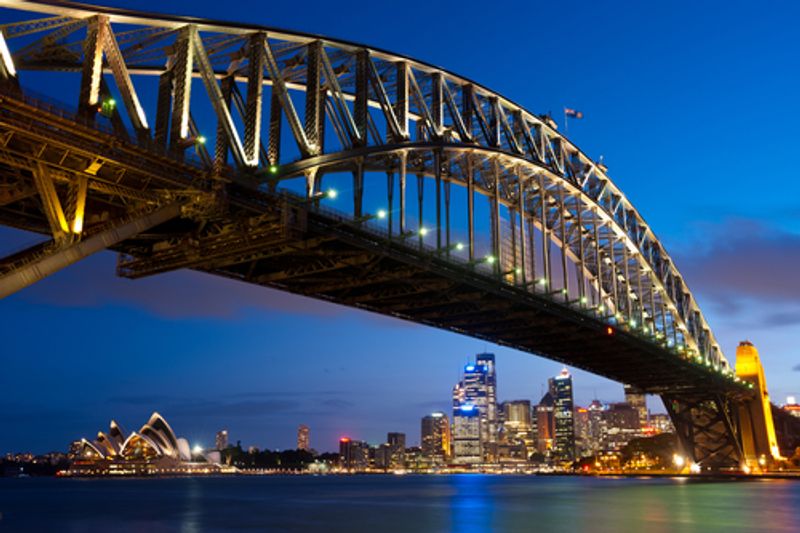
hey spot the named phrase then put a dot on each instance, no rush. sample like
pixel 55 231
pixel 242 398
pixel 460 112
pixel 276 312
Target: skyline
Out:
pixel 224 348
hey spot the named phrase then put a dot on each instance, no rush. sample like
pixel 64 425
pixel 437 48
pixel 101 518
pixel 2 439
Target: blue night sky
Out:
pixel 693 106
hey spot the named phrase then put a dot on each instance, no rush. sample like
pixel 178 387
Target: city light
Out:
pixel 694 468
pixel 459 246
pixel 490 259
pixel 197 450
pixel 201 139
pixel 332 194
pixel 381 213
pixel 273 169
pixel 423 231
pixel 678 460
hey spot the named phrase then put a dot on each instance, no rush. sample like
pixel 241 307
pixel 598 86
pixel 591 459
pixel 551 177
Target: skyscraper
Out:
pixel 397 449
pixel 545 424
pixel 478 389
pixel 517 423
pixel 222 439
pixel 489 419
pixel 564 443
pixel 597 427
pixel 621 425
pixel 303 437
pixel 637 399
pixel 582 432
pixel 467 447
pixel 435 436
pixel 353 454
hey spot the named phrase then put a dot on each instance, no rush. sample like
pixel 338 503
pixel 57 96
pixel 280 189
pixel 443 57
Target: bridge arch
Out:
pixel 289 111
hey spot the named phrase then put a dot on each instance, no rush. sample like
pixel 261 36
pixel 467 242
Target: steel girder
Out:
pixel 370 98
pixel 707 428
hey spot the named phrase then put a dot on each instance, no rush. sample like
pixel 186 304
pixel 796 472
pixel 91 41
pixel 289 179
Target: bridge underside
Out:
pixel 88 183
pixel 295 248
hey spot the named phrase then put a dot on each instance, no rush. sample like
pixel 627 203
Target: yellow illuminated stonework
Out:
pixel 759 442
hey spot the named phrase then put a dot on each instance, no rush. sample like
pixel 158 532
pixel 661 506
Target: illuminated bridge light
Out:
pixel 354 261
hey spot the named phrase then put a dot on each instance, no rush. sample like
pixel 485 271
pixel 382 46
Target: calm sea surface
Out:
pixel 408 504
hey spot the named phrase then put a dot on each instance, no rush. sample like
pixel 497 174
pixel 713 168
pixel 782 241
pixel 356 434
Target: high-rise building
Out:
pixel 478 388
pixel 661 423
pixel 545 424
pixel 621 425
pixel 491 426
pixel 397 449
pixel 637 399
pixel 303 437
pixel 582 432
pixel 353 454
pixel 518 424
pixel 222 439
pixel 564 443
pixel 467 447
pixel 597 427
pixel 435 437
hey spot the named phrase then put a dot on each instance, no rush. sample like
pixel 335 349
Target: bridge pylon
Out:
pixel 757 429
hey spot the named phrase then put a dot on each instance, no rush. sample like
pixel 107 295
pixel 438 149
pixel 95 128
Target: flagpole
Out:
pixel 566 122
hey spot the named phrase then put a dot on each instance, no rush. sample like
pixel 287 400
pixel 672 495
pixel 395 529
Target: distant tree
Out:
pixel 660 448
pixel 537 458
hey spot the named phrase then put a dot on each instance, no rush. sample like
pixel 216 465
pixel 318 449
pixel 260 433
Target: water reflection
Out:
pixel 459 503
pixel 472 504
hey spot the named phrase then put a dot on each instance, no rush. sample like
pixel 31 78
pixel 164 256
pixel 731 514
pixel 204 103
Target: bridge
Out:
pixel 354 175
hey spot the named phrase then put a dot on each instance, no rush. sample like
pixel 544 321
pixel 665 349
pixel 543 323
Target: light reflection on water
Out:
pixel 458 503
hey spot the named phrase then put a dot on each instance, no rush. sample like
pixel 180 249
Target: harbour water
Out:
pixel 407 504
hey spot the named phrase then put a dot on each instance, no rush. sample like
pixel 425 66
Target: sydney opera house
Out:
pixel 154 449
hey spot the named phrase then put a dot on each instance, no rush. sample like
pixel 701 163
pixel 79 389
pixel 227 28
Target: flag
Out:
pixel 574 113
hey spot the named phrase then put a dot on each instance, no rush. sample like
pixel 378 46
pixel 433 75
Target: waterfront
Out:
pixel 458 503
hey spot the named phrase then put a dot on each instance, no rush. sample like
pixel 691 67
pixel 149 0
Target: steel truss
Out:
pixel 707 427
pixel 569 255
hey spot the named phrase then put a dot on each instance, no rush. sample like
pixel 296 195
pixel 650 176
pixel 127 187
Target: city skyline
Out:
pixel 211 347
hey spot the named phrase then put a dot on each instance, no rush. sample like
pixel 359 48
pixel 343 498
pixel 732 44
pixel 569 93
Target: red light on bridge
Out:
pixel 609 330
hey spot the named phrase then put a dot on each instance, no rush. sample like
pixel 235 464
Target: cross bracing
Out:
pixel 491 222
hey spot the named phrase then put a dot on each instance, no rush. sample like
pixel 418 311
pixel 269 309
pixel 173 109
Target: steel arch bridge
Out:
pixel 346 173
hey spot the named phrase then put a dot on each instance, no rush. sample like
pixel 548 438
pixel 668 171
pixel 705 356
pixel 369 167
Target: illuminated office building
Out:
pixel 518 424
pixel 435 437
pixel 397 449
pixel 637 399
pixel 303 438
pixel 545 424
pixel 222 439
pixel 564 442
pixel 467 447
pixel 353 454
pixel 478 389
